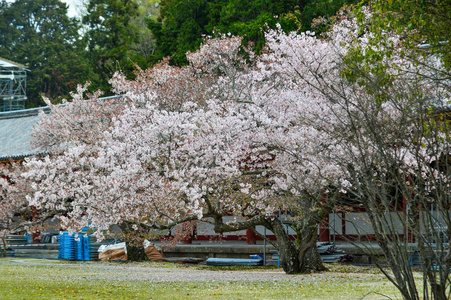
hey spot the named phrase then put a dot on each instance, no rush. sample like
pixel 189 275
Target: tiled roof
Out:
pixel 15 133
pixel 16 128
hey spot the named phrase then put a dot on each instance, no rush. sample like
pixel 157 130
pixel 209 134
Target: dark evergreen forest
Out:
pixel 118 35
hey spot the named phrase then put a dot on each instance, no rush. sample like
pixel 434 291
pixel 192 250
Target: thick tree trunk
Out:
pixel 3 252
pixel 299 257
pixel 289 256
pixel 135 253
pixel 134 243
pixel 311 261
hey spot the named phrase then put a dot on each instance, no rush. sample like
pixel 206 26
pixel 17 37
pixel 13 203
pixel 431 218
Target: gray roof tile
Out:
pixel 15 133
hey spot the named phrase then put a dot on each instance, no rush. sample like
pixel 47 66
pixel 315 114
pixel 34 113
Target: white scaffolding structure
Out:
pixel 13 85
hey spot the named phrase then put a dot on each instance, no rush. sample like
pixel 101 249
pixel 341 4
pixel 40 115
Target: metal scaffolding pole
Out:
pixel 13 85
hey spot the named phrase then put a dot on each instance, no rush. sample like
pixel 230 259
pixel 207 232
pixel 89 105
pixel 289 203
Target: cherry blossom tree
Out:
pixel 390 130
pixel 7 210
pixel 15 213
pixel 194 143
pixel 245 136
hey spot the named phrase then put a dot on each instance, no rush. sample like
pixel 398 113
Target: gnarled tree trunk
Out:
pixel 310 260
pixel 135 253
pixel 134 242
pixel 3 248
pixel 300 256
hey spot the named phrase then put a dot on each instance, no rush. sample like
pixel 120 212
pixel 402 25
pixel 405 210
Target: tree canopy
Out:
pixel 40 35
pixel 247 135
pixel 421 22
pixel 182 23
pixel 109 37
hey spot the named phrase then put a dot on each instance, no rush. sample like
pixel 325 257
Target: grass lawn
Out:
pixel 47 279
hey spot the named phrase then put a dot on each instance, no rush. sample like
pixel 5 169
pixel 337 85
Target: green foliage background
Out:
pixel 183 22
pixel 419 21
pixel 40 35
pixel 117 35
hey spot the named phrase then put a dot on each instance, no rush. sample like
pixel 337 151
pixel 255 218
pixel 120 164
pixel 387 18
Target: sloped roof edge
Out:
pixel 35 111
pixel 10 63
pixel 15 132
pixel 23 113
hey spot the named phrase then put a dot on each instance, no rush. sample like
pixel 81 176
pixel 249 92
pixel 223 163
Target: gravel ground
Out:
pixel 53 279
pixel 167 272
